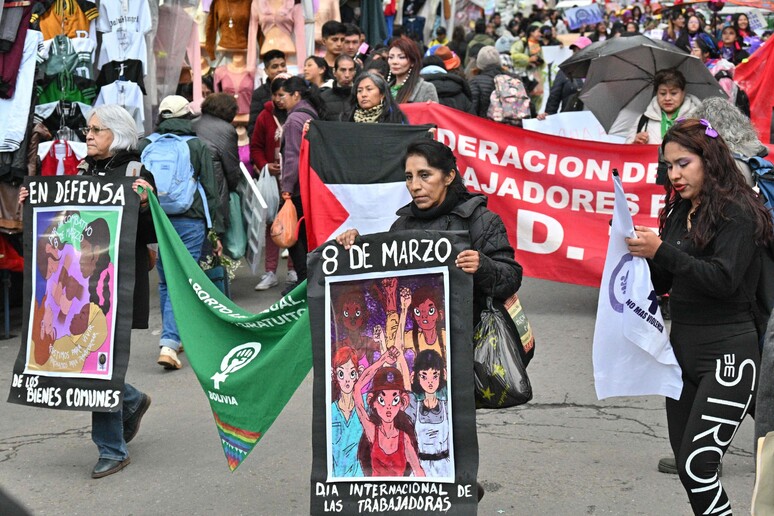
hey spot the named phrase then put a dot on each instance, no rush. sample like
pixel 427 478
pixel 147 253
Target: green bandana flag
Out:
pixel 249 364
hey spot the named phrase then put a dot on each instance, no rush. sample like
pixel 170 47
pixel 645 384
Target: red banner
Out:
pixel 756 77
pixel 555 195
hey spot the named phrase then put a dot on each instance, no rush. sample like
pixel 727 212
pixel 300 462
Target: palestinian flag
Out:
pixel 351 176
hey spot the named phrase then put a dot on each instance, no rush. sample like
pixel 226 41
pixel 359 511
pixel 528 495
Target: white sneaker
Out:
pixel 268 281
pixel 284 253
pixel 168 358
pixel 292 277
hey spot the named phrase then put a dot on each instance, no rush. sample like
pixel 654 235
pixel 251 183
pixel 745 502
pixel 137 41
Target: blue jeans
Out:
pixel 107 428
pixel 192 233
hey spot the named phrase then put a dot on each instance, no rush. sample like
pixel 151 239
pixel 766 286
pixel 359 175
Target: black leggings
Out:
pixel 720 366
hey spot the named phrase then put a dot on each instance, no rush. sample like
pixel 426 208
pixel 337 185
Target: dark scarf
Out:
pixel 446 207
pixel 119 159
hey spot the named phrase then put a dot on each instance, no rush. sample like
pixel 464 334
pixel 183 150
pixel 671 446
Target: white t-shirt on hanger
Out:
pixel 128 95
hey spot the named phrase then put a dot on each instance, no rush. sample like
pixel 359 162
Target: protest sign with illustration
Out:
pixel 391 333
pixel 79 241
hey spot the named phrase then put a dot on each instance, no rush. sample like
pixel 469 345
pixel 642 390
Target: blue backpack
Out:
pixel 763 176
pixel 169 160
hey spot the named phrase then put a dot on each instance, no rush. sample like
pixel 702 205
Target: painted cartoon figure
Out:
pixel 95 262
pixel 346 429
pixel 428 331
pixel 388 447
pixel 351 319
pixel 430 413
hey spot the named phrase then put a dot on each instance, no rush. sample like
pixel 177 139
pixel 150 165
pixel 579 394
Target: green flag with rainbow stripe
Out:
pixel 249 365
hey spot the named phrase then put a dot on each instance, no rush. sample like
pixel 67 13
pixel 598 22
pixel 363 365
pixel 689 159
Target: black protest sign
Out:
pixel 79 245
pixel 394 427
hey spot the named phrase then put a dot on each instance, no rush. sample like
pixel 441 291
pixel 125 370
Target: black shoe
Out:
pixel 132 425
pixel 289 288
pixel 669 465
pixel 105 467
pixel 479 491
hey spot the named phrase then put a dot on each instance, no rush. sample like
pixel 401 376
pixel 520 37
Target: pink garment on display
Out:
pixel 244 156
pixel 238 84
pixel 289 19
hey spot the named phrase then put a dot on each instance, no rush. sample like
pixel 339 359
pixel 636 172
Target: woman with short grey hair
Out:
pixel 123 127
pixel 111 143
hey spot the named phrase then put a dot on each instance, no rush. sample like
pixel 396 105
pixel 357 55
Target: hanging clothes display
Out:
pixel 64 17
pixel 66 86
pixel 10 61
pixel 227 25
pixel 14 112
pixel 123 24
pixel 128 95
pixel 238 83
pixel 129 70
pixel 283 27
pixel 63 54
pixel 58 115
pixel 60 157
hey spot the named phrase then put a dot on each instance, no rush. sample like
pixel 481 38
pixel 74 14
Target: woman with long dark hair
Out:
pixel 303 103
pixel 405 83
pixel 372 102
pixel 708 254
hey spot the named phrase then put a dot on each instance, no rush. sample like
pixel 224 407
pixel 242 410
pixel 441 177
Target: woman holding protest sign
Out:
pixel 111 143
pixel 441 202
pixel 708 254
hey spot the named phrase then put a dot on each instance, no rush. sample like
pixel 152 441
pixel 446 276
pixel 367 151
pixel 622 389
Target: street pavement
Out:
pixel 564 453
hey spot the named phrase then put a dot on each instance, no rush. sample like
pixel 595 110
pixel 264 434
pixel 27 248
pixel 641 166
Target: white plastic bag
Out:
pixel 267 185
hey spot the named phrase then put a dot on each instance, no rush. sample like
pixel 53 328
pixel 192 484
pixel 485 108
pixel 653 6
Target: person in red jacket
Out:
pixel 264 152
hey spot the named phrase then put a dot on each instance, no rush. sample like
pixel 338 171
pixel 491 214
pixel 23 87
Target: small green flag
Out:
pixel 249 365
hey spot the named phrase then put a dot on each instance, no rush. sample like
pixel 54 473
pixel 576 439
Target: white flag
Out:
pixel 632 354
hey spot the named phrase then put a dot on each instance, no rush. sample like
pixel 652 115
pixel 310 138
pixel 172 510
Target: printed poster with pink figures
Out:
pixel 79 277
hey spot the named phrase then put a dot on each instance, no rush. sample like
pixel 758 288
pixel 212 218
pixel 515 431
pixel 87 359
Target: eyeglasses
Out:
pixel 93 129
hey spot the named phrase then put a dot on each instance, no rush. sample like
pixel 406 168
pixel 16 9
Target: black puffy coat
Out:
pixel 338 102
pixel 499 274
pixel 561 92
pixel 221 139
pixel 481 88
pixel 453 90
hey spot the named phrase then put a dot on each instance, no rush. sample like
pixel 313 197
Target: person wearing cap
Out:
pixel 564 92
pixel 453 90
pixel 175 118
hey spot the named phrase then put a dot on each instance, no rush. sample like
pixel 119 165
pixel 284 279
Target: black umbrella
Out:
pixel 619 75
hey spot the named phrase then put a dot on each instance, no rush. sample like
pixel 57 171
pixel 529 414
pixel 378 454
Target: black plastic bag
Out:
pixel 501 378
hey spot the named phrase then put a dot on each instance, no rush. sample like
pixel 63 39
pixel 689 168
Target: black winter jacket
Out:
pixel 337 103
pixel 453 90
pixel 482 86
pixel 261 95
pixel 221 138
pixel 499 275
pixel 561 91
